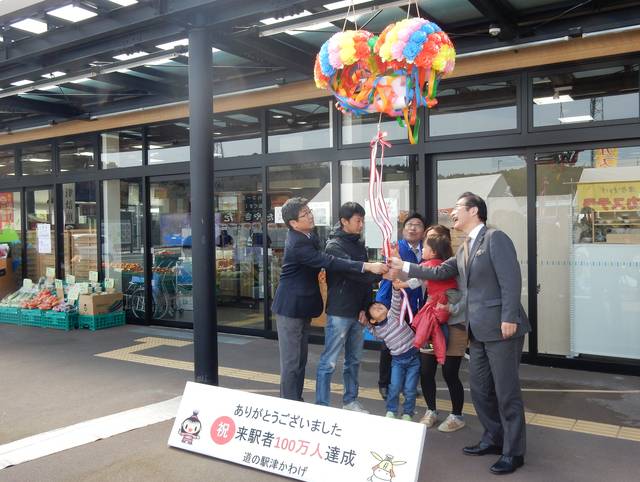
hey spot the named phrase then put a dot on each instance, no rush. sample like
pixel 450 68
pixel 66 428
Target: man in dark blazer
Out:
pixel 487 264
pixel 297 297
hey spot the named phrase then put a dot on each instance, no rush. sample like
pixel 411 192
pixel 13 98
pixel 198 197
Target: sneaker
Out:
pixel 451 424
pixel 430 418
pixel 355 406
pixel 390 415
pixel 407 417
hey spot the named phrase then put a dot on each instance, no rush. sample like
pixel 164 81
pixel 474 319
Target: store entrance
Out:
pixel 240 249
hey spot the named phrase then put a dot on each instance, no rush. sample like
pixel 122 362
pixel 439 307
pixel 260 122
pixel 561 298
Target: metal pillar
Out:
pixel 205 325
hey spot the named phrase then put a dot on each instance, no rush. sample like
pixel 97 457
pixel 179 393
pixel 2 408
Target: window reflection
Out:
pixel 11 236
pixel 588 238
pixel 361 129
pixel 7 162
pixel 168 143
pixel 238 134
pixel 80 229
pixel 36 160
pixel 76 154
pixel 121 148
pixel 586 96
pixel 478 107
pixel 300 126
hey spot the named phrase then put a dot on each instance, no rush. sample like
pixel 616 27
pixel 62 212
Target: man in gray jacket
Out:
pixel 488 267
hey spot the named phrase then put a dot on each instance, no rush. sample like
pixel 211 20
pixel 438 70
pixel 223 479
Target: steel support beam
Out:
pixel 31 106
pixel 205 323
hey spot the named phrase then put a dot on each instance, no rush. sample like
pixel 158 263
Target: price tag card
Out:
pixel 59 289
pixel 70 279
pixel 27 283
pixel 93 276
pixel 50 272
pixel 84 288
pixel 109 283
pixel 74 293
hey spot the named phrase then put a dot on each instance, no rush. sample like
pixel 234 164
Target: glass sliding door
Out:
pixel 240 245
pixel 170 236
pixel 80 229
pixel 41 236
pixel 123 242
pixel 588 246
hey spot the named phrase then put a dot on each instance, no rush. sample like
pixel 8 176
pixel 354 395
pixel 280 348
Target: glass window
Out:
pixel 502 182
pixel 237 136
pixel 123 243
pixel 36 160
pixel 240 248
pixel 586 96
pixel 301 126
pixel 7 162
pixel 356 130
pixel 11 238
pixel 478 107
pixel 354 186
pixel 121 148
pixel 168 143
pixel 170 246
pixel 76 154
pixel 80 229
pixel 311 181
pixel 41 244
pixel 588 217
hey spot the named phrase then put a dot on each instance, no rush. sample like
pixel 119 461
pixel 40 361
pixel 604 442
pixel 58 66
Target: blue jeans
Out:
pixel 405 371
pixel 338 333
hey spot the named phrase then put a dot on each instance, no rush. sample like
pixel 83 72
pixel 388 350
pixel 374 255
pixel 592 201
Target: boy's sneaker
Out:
pixel 451 424
pixel 355 406
pixel 390 415
pixel 427 349
pixel 407 417
pixel 430 418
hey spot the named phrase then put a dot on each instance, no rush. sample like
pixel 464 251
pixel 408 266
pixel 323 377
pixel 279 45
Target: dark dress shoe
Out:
pixel 507 464
pixel 383 392
pixel 482 448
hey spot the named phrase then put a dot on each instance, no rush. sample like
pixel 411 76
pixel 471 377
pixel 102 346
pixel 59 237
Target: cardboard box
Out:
pixel 99 303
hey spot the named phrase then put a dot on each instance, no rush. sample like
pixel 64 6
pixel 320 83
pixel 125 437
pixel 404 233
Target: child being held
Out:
pixel 405 361
pixel 443 299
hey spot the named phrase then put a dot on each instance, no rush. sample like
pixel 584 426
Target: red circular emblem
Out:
pixel 223 430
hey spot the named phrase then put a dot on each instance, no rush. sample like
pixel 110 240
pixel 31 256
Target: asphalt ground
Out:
pixel 581 425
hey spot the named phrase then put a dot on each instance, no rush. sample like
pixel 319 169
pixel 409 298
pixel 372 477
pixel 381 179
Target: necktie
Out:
pixel 466 246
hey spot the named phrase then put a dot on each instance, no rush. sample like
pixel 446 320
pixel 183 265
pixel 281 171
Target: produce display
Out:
pixel 44 300
pixel 135 267
pixel 15 299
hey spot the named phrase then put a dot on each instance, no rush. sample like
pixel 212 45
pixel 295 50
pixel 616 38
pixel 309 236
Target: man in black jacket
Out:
pixel 297 297
pixel 348 296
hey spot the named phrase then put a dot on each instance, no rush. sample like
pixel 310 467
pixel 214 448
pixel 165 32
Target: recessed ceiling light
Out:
pixel 54 74
pixel 575 118
pixel 272 20
pixel 217 133
pixel 277 116
pixel 302 122
pixel 554 99
pixel 124 3
pixel 343 4
pixel 20 83
pixel 174 44
pixel 31 25
pixel 72 13
pixel 214 50
pixel 36 159
pixel 133 55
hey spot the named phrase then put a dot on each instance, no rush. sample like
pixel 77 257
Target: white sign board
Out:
pixel 295 439
pixel 44 238
pixel 69 203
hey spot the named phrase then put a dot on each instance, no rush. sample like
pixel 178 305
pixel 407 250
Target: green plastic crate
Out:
pixel 100 322
pixel 10 315
pixel 60 320
pixel 31 317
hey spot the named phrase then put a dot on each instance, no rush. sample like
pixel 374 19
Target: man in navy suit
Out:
pixel 297 297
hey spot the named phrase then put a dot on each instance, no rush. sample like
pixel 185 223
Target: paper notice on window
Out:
pixel 44 238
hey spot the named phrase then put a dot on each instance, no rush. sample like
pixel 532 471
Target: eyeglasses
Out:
pixel 458 206
pixel 305 214
pixel 414 225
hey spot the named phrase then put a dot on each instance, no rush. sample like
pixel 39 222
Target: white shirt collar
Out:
pixel 474 233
